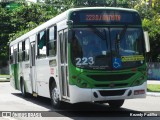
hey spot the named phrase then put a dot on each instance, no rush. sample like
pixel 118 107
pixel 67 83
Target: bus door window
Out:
pixel 33 53
pixel 52 41
pixel 61 47
pixel 65 47
pixel 42 51
pixel 66 62
pixel 26 50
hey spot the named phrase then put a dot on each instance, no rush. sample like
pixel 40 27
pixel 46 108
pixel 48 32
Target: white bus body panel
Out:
pixel 43 75
pixel 86 95
pixel 26 76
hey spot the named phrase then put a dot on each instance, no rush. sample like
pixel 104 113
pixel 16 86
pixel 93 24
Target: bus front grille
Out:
pixel 111 85
pixel 116 77
pixel 112 92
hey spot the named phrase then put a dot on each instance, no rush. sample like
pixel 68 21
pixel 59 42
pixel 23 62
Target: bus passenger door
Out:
pixel 32 67
pixel 63 35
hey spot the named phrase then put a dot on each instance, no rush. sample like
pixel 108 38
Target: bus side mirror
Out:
pixel 147 44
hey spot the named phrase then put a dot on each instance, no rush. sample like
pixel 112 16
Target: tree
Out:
pixel 4 33
pixel 28 17
pixel 150 15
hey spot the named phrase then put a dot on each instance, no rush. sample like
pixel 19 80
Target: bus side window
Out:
pixel 23 51
pixel 26 50
pixel 15 52
pixel 51 45
pixel 11 55
pixel 42 52
pixel 20 52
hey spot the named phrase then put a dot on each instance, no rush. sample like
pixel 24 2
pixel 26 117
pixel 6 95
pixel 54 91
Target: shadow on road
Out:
pixel 81 109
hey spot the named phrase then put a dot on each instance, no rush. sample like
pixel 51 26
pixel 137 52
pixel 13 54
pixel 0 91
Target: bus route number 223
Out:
pixel 84 61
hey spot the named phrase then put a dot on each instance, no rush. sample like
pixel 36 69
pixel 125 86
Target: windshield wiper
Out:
pixel 97 32
pixel 118 38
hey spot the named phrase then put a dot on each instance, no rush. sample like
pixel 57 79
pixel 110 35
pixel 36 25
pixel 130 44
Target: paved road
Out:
pixel 11 100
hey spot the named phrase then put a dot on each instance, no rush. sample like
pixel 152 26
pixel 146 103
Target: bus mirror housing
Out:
pixel 147 44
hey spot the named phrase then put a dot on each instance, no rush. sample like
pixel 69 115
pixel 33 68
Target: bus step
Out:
pixel 35 94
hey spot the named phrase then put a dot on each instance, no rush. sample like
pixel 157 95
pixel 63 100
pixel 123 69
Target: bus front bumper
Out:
pixel 91 95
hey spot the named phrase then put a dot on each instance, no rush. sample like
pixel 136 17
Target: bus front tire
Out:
pixel 115 103
pixel 56 103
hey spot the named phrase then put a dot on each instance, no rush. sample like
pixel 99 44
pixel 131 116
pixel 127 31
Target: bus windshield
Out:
pixel 103 48
pixel 90 48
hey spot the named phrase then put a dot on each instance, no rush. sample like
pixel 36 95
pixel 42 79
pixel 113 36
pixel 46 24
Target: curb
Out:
pixel 4 79
pixel 153 94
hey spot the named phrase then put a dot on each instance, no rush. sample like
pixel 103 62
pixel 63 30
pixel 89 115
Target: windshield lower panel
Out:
pixel 107 48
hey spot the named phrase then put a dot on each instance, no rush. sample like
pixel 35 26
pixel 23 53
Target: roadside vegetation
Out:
pixel 153 88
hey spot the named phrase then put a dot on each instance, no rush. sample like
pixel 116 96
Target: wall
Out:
pixel 153 71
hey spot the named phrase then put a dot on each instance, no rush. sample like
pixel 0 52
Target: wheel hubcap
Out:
pixel 55 95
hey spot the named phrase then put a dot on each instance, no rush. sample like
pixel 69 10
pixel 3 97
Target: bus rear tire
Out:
pixel 115 104
pixel 23 89
pixel 56 103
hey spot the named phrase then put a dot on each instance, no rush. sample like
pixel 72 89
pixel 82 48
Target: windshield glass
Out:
pixel 107 48
pixel 127 47
pixel 90 48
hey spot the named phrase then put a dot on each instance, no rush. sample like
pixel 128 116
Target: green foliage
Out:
pixel 14 23
pixel 150 15
pixel 153 88
pixel 29 17
pixel 4 32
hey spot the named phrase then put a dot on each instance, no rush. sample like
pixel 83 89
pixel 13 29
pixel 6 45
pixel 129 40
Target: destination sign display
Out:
pixel 102 17
pixel 105 17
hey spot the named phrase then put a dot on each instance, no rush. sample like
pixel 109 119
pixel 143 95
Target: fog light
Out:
pixel 84 85
pixel 79 81
pixel 137 92
pixel 141 78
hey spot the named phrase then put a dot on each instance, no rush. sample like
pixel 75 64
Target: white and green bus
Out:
pixel 95 54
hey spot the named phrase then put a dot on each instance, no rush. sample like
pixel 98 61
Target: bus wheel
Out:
pixel 115 103
pixel 56 103
pixel 23 89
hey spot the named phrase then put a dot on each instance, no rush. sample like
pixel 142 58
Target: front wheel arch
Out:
pixel 54 94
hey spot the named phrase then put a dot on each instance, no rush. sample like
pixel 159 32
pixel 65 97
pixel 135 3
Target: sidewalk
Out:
pixel 153 82
pixel 4 78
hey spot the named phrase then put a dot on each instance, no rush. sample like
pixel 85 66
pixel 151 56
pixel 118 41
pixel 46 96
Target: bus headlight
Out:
pixel 81 83
pixel 84 85
pixel 138 81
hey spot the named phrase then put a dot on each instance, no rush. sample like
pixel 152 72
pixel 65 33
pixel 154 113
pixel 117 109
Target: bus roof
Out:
pixel 99 8
pixel 61 17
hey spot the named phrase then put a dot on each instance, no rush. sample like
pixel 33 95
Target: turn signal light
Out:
pixel 137 92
